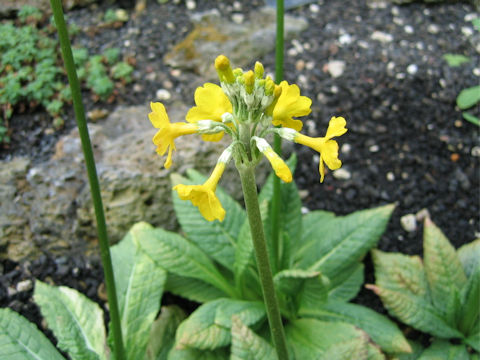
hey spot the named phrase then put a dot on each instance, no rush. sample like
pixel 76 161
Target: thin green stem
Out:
pixel 92 177
pixel 277 141
pixel 249 187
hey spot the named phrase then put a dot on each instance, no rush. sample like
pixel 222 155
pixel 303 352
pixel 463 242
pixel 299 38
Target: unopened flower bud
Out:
pixel 225 73
pixel 249 78
pixel 259 70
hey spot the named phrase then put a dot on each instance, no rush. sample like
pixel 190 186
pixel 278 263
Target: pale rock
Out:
pixel 374 148
pixel 24 285
pixel 191 4
pixel 433 29
pixel 412 69
pixel 345 39
pixel 346 148
pixel 381 36
pixel 390 176
pixel 342 174
pixel 163 95
pixel 408 222
pixel 238 18
pixel 408 29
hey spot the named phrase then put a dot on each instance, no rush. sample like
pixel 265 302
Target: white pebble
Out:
pixel 346 148
pixel 342 174
pixel 470 17
pixel 433 29
pixel 24 285
pixel 163 94
pixel 314 8
pixel 467 31
pixel 475 151
pixel 412 69
pixel 305 210
pixel 170 25
pixel 345 39
pixel 336 68
pixel 381 36
pixel 408 29
pixel 400 76
pixel 238 18
pixel 334 89
pixel 390 176
pixel 292 52
pixel 408 222
pixel 363 44
pixel 191 4
pixel 237 5
pixel 374 148
pixel 476 71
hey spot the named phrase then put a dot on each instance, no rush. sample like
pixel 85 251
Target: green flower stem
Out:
pixel 277 140
pixel 249 187
pixel 92 177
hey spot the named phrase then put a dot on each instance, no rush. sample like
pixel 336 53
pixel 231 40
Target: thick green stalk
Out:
pixel 249 187
pixel 92 177
pixel 277 141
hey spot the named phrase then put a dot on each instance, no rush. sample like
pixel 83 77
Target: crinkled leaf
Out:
pixel 415 311
pixel 474 339
pixel 346 285
pixel 443 350
pixel 356 348
pixel 314 292
pixel 468 97
pixel 246 345
pixel 76 321
pixel 162 334
pixel 348 239
pixel 444 271
pixel 20 339
pixel 139 285
pixel 381 330
pixel 217 238
pixel 312 339
pixel 291 281
pixel 208 327
pixel 374 352
pixel 470 309
pixel 417 350
pixel 469 255
pixel 195 354
pixel 399 272
pixel 192 289
pixel 175 254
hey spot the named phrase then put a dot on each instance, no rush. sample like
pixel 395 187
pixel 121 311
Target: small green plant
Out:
pixel 455 60
pixel 122 71
pixel 439 296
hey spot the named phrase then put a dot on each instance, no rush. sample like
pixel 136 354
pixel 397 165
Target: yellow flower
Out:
pixel 164 138
pixel 203 196
pixel 327 147
pixel 289 105
pixel 281 169
pixel 211 103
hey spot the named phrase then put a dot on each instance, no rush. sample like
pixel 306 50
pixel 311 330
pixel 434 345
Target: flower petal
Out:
pixel 336 127
pixel 321 169
pixel 329 154
pixel 290 104
pixel 211 103
pixel 158 116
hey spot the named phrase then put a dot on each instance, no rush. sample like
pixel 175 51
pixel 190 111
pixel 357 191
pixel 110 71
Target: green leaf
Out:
pixel 443 350
pixel 474 339
pixel 347 239
pixel 415 311
pixel 194 354
pixel 471 118
pixel 417 350
pixel 246 345
pixel 76 321
pixel 139 285
pixel 162 334
pixel 374 353
pixel 21 340
pixel 476 23
pixel 468 97
pixel 469 255
pixel 312 339
pixel 444 271
pixel 469 311
pixel 382 331
pixel 312 223
pixel 217 239
pixel 402 273
pixel 175 254
pixel 455 60
pixel 192 289
pixel 208 327
pixel 314 292
pixel 346 285
pixel 291 281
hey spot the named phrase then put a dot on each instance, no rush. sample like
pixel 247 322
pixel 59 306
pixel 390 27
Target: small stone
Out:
pixel 237 5
pixel 334 89
pixel 475 151
pixel 346 148
pixel 170 25
pixel 300 65
pixel 310 65
pixel 304 210
pixel 97 114
pixel 292 52
pixel 381 36
pixel 127 43
pixel 408 222
pixel 238 18
pixel 433 29
pixel 422 215
pixel 469 17
pixel 400 76
pixel 102 292
pixel 151 76
pixel 163 94
pixel 137 88
pixel 345 39
pixel 374 148
pixel 454 157
pixel 175 72
pixel 303 194
pixel 121 15
pixel 412 69
pixel 11 291
pixel 390 176
pixel 314 8
pixel 467 31
pixel 408 29
pixel 342 174
pixel 363 44
pixel 191 4
pixel 377 114
pixel 336 68
pixel 458 123
pixel 476 71
pixel 24 285
pixel 398 21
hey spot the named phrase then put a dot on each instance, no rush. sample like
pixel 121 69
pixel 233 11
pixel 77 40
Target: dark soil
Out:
pixel 408 143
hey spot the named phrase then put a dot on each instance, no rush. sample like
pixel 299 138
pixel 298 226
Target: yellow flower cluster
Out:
pixel 248 107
